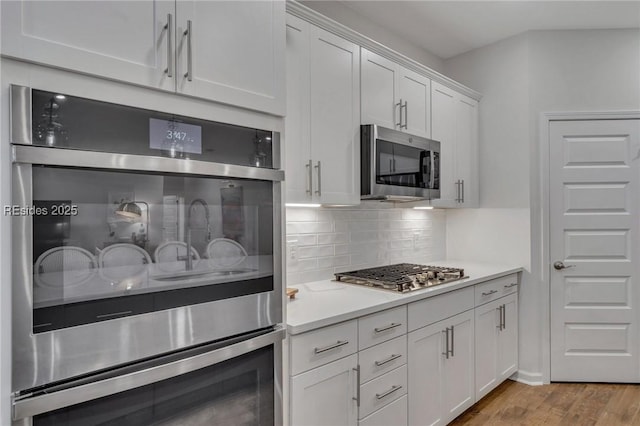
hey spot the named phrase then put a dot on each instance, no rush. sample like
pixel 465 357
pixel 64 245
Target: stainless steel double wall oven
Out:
pixel 147 278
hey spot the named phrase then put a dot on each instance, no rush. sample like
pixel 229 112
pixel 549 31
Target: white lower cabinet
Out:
pixel 460 345
pixel 441 370
pixel 326 395
pixel 496 343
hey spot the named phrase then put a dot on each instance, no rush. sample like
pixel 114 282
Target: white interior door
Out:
pixel 594 218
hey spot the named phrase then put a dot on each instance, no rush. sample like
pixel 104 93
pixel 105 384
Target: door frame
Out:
pixel 541 216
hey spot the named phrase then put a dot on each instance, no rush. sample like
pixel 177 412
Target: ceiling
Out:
pixel 449 28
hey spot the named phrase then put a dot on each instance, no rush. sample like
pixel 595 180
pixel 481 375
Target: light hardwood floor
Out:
pixel 566 404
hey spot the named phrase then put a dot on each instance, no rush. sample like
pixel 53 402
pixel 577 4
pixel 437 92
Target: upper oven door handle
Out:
pixel 32 406
pixel 129 162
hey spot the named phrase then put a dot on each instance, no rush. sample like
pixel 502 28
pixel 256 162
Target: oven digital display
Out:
pixel 174 138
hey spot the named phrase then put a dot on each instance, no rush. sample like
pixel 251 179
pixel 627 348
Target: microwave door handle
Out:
pixel 432 174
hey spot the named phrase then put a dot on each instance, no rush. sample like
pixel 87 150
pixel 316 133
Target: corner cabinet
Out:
pixel 202 49
pixel 454 122
pixel 322 127
pixel 394 97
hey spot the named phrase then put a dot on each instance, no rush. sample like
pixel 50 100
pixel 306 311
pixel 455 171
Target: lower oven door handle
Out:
pixel 32 406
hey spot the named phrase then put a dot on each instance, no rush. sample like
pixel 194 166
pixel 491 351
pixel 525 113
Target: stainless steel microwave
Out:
pixel 396 166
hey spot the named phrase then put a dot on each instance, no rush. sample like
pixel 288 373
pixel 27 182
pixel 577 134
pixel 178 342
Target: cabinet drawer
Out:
pixel 382 358
pixel 494 289
pixel 381 326
pixel 434 309
pixel 318 347
pixel 393 414
pixel 381 391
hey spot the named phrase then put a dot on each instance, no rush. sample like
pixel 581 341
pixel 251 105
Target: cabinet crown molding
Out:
pixel 318 19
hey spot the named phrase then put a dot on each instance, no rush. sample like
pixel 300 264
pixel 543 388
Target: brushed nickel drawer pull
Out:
pixel 389 392
pixel 489 293
pixel 391 358
pixel 511 285
pixel 387 327
pixel 334 346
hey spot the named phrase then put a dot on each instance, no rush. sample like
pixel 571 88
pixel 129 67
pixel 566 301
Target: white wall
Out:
pixel 347 16
pixel 521 77
pixel 336 240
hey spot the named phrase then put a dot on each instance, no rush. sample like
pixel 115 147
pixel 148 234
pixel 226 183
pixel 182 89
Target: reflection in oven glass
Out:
pixel 114 244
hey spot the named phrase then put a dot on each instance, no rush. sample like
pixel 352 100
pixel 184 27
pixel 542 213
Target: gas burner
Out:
pixel 402 277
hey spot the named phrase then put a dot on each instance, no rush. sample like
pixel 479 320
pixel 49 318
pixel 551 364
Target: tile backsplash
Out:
pixel 323 241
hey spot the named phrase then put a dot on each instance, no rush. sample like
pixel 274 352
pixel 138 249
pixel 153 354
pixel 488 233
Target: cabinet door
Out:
pixel 508 338
pixel 443 109
pixel 379 97
pixel 326 395
pixel 237 52
pixel 467 149
pixel 487 331
pixel 459 371
pixel 425 348
pixel 335 118
pixel 121 40
pixel 415 93
pixel 297 144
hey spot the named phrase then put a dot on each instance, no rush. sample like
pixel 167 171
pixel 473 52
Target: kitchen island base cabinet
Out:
pixel 441 370
pixel 326 395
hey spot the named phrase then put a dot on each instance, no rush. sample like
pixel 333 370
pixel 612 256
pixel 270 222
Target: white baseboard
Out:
pixel 528 378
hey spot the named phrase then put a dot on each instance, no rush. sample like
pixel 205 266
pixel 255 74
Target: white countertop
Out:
pixel 322 303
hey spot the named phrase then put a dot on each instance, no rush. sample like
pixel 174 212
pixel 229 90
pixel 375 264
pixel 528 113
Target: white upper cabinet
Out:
pixel 297 143
pixel 234 53
pixel 394 97
pixel 322 137
pixel 122 40
pixel 379 96
pixel 415 94
pixel 454 123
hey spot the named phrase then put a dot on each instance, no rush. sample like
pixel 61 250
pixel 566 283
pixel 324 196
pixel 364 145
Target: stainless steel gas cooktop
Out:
pixel 402 277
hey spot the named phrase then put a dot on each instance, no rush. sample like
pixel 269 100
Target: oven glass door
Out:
pixel 111 244
pixel 402 165
pixel 240 391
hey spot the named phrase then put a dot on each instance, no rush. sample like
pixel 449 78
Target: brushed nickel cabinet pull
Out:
pixel 388 360
pixel 187 32
pixel 319 168
pixel 357 397
pixel 511 285
pixel 170 61
pixel 489 293
pixel 446 345
pixel 389 392
pixel 309 167
pixel 406 115
pixel 387 327
pixel 330 347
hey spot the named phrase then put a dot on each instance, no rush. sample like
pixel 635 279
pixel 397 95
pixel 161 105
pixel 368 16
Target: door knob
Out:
pixel 560 265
